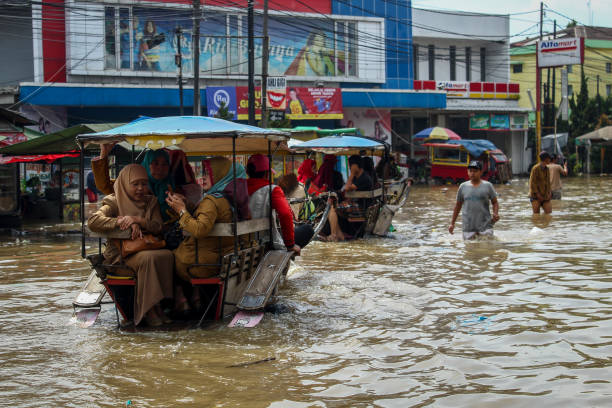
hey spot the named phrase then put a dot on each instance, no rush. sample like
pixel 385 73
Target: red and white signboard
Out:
pixel 560 51
pixel 454 88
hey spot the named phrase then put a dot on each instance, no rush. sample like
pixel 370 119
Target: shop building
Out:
pixel 112 61
pixel 466 56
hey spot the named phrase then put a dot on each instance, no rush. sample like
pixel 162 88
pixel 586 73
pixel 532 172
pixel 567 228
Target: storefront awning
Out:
pixel 56 143
pixel 47 158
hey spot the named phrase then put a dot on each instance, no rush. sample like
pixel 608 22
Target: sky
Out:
pixel 525 25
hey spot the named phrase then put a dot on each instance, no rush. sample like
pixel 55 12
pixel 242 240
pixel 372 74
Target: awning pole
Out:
pixel 81 196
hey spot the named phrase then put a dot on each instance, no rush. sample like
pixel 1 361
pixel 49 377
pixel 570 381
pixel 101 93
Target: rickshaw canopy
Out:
pixel 340 145
pixel 195 135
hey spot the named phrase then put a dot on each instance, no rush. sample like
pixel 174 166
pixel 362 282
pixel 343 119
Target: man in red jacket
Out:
pixel 293 239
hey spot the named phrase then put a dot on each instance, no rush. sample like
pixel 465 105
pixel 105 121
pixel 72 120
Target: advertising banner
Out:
pixel 277 93
pixel 479 121
pixel 374 123
pixel 314 103
pixel 242 98
pixel 216 95
pixel 560 51
pixel 500 122
pixel 302 103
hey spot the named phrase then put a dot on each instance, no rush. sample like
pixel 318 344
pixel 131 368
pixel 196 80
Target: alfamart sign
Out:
pixel 560 51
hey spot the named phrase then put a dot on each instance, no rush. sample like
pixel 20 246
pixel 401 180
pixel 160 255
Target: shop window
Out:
pixel 608 67
pixel 569 69
pixel 450 155
pixel 517 68
pixel 110 58
pixel 570 91
pixel 608 90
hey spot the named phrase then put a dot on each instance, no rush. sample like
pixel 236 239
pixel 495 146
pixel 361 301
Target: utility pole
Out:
pixel 598 98
pixel 196 57
pixel 251 50
pixel 264 68
pixel 539 92
pixel 554 103
pixel 178 61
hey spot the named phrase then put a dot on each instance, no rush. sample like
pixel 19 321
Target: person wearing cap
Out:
pixel 473 197
pixel 260 200
pixel 540 192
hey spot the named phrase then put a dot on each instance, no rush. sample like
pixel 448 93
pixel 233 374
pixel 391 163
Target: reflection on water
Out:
pixel 420 319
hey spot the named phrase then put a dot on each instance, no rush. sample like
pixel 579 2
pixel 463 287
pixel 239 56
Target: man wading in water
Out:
pixel 475 194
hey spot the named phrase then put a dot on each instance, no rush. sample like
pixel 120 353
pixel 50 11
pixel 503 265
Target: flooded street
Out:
pixel 422 319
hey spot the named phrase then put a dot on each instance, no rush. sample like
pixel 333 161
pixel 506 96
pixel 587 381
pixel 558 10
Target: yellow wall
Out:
pixel 595 59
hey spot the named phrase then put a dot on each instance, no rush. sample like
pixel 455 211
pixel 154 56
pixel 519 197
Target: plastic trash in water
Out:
pixel 392 228
pixel 128 403
pixel 473 324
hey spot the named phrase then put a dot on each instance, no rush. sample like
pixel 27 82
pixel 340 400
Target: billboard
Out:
pixel 479 121
pixel 276 90
pixel 146 39
pixel 560 51
pixel 302 103
pixel 500 122
pixel 216 95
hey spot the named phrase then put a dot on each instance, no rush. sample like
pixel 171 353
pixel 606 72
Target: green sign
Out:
pixel 518 122
pixel 479 121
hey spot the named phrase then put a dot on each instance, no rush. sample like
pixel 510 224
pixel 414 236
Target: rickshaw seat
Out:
pixel 224 229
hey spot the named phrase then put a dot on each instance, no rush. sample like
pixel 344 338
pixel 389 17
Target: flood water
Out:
pixel 423 319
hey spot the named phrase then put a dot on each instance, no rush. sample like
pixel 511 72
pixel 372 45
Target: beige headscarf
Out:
pixel 126 204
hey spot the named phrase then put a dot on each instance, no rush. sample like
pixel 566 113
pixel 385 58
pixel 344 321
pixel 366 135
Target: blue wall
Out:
pixel 398 41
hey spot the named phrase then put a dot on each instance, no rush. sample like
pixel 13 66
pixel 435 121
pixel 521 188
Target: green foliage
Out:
pixel 223 113
pixel 583 115
pixel 572 23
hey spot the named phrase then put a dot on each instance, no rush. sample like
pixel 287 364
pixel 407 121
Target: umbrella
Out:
pixel 437 133
pixel 602 135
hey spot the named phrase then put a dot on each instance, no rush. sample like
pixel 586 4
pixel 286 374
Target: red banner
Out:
pixel 302 103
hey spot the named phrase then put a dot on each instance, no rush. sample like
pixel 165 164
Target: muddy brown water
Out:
pixel 423 319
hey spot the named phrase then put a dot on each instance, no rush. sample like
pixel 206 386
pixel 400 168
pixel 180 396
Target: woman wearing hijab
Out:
pixel 214 207
pixel 131 206
pixel 157 163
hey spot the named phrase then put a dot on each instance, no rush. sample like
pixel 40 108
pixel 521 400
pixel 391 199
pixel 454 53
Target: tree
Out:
pixel 583 115
pixel 571 24
pixel 223 113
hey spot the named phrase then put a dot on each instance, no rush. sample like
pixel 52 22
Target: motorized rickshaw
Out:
pixel 384 200
pixel 449 160
pixel 247 277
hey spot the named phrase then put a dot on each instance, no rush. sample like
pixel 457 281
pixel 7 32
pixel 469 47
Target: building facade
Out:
pixel 384 67
pixel 597 65
pixel 466 55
